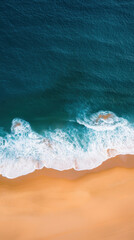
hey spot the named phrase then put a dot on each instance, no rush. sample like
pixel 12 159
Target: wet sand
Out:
pixel 53 205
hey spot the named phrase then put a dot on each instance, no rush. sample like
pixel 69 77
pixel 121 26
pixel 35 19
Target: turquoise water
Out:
pixel 62 64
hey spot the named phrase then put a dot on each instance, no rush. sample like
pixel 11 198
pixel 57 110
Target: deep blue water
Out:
pixel 61 62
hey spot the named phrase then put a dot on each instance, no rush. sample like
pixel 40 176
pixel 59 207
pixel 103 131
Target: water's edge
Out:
pixel 84 146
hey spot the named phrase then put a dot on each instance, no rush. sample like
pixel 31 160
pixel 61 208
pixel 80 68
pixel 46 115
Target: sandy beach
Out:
pixel 53 205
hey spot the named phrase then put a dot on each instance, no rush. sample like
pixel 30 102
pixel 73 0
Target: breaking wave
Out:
pixel 83 145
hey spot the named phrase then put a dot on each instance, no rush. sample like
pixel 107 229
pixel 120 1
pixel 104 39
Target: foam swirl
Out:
pixel 102 136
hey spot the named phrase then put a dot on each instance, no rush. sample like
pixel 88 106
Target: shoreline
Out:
pixel 122 161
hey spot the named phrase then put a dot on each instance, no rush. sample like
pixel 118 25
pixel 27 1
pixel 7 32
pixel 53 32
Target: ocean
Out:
pixel 66 83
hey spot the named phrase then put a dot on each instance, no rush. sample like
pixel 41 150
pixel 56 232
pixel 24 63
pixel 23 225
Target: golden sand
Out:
pixel 104 116
pixel 70 205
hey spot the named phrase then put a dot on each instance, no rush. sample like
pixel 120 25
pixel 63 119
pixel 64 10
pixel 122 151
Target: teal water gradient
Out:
pixel 61 62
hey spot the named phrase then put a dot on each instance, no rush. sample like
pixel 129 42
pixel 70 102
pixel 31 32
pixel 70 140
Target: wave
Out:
pixel 81 147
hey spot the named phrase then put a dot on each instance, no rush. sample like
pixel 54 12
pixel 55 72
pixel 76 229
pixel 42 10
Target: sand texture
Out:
pixel 69 205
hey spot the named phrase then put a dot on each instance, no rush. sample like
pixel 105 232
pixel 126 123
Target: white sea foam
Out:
pixel 102 136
